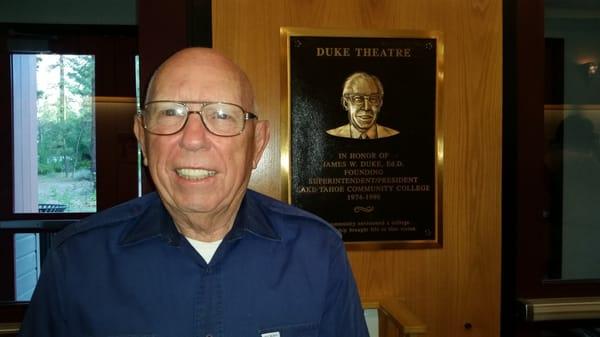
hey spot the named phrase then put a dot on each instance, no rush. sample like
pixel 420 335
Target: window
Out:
pixel 571 127
pixel 550 165
pixel 53 124
pixel 71 95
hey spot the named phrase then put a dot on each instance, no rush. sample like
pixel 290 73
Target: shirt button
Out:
pixel 209 335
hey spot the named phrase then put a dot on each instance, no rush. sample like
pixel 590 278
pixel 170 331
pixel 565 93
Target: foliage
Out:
pixel 65 117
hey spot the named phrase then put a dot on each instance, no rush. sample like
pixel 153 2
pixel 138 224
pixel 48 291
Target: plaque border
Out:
pixel 285 34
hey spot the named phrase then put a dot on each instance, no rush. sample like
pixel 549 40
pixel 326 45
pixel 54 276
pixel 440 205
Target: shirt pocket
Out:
pixel 295 330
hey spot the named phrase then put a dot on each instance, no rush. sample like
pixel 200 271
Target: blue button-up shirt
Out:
pixel 127 271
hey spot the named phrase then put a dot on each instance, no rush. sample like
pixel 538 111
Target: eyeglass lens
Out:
pixel 360 99
pixel 222 119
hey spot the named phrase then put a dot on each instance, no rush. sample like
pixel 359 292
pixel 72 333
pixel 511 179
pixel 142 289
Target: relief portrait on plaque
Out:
pixel 361 140
pixel 362 99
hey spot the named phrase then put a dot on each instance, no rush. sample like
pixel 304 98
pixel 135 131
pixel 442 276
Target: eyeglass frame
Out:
pixel 247 115
pixel 349 97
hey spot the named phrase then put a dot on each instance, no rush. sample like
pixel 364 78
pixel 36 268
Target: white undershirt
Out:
pixel 205 249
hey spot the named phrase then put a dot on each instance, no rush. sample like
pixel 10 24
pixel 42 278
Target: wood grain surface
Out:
pixel 455 290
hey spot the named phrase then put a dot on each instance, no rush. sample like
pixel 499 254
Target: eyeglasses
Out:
pixel 374 99
pixel 219 118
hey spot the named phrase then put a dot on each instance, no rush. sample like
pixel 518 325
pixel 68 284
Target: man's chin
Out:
pixel 186 205
pixel 196 207
pixel 364 124
pixel 363 128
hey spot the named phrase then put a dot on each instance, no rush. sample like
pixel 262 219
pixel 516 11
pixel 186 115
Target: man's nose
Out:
pixel 194 133
pixel 366 103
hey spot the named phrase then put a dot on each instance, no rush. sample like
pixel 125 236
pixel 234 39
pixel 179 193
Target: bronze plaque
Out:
pixel 362 144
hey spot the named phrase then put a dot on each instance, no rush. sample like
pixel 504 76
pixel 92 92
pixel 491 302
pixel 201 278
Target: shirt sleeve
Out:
pixel 44 315
pixel 344 315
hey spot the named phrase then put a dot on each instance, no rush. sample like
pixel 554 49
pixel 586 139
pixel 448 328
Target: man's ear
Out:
pixel 261 139
pixel 344 103
pixel 138 130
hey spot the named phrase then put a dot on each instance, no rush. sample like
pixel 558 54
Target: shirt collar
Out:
pixel 156 221
pixel 153 221
pixel 252 219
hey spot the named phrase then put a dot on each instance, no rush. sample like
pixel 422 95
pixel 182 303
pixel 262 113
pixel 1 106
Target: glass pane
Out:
pixel 54 138
pixel 138 96
pixel 572 125
pixel 27 264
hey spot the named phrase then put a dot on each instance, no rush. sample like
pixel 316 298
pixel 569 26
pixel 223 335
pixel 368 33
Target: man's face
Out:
pixel 195 171
pixel 362 111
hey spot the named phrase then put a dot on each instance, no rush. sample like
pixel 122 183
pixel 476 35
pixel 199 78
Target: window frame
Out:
pixel 525 230
pixel 114 48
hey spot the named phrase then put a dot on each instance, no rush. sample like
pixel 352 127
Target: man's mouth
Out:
pixel 365 116
pixel 194 174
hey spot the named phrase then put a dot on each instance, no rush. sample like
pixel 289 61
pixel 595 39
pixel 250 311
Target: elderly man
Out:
pixel 203 256
pixel 362 98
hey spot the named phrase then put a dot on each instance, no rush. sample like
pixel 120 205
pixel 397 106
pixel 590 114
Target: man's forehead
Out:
pixel 189 93
pixel 195 72
pixel 195 84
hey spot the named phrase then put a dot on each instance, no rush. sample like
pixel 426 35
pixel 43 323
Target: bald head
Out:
pixel 192 73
